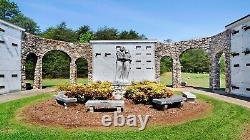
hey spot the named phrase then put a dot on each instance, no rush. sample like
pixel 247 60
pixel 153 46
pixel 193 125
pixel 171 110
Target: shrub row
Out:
pixel 140 92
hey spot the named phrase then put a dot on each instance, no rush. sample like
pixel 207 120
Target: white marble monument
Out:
pixel 123 61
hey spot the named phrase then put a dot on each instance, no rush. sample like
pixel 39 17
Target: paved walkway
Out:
pixel 22 94
pixel 221 96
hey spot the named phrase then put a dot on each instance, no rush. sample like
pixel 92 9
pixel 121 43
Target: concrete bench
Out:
pixel 64 100
pixel 105 104
pixel 163 103
pixel 189 96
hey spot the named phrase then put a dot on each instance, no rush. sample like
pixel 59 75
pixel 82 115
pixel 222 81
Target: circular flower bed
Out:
pixel 49 113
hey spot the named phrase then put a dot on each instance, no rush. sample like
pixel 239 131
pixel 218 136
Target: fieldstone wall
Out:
pixel 215 46
pixel 40 46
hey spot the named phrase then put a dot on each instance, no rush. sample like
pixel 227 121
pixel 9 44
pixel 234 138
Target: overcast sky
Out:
pixel 157 19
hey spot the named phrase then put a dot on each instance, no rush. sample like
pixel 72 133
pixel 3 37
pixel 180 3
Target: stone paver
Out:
pixel 220 96
pixel 21 94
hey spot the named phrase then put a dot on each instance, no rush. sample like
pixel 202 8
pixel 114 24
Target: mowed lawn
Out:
pixel 192 79
pixel 225 122
pixel 56 82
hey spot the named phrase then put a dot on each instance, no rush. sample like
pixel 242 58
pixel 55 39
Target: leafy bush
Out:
pixel 145 92
pixel 97 90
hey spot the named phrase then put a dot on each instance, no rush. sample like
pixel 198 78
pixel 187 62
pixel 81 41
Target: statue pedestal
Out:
pixel 119 90
pixel 119 83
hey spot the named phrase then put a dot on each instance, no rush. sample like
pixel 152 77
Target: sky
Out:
pixel 157 19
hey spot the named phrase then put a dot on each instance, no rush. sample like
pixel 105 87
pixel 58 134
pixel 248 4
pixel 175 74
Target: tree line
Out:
pixel 54 63
pixel 192 61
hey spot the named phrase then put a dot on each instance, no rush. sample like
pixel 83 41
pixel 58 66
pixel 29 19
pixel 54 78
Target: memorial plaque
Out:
pixel 123 61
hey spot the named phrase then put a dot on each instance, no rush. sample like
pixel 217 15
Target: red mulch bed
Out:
pixel 49 113
pixel 246 134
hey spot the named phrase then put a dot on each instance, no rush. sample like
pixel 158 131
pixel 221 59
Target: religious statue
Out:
pixel 123 62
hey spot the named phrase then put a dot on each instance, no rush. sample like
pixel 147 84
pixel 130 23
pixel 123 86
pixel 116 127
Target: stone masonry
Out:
pixel 215 46
pixel 40 46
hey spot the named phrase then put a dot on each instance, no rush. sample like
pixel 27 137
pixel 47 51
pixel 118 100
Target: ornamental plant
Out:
pixel 145 92
pixel 97 90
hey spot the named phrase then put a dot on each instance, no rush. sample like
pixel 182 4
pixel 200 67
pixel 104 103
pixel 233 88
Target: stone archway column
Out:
pixel 90 71
pixel 23 76
pixel 157 68
pixel 176 73
pixel 214 74
pixel 73 72
pixel 227 72
pixel 38 73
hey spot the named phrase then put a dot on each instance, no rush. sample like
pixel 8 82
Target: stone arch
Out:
pixel 45 51
pixel 56 73
pixel 88 58
pixel 213 44
pixel 204 60
pixel 162 50
pixel 84 60
pixel 183 46
pixel 220 44
pixel 219 57
pixel 23 69
pixel 41 46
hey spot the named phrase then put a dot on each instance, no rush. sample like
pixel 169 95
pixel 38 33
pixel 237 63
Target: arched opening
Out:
pixel 82 71
pixel 166 66
pixel 30 64
pixel 195 68
pixel 56 68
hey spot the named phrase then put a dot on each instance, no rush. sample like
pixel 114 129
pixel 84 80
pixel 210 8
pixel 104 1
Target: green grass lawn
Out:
pixel 192 79
pixel 56 82
pixel 225 122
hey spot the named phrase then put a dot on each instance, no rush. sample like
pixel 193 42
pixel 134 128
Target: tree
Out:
pixel 56 64
pixel 86 37
pixel 8 10
pixel 195 61
pixel 82 30
pixel 30 66
pixel 106 33
pixel 130 35
pixel 166 64
pixel 82 68
pixel 60 32
pixel 27 23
